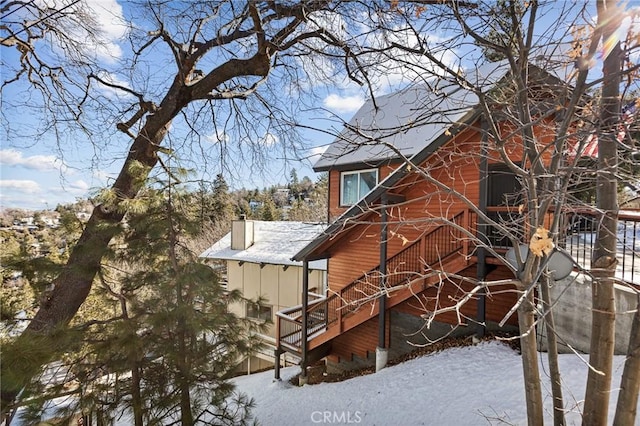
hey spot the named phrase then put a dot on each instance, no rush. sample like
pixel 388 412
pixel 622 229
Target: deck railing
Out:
pixel 447 239
pixel 289 322
pixel 406 266
pixel 324 312
pixel 435 247
pixel 580 238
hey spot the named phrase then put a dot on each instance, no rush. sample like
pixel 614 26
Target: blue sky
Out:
pixel 39 173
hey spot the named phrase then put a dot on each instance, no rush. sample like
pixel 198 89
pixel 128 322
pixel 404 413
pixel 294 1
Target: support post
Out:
pixel 381 350
pixel 277 351
pixel 481 273
pixel 304 331
pixel 276 366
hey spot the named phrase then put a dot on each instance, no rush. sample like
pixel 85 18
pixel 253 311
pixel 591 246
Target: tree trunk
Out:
pixel 552 354
pixel 186 416
pixel 626 410
pixel 528 345
pixel 596 402
pixel 136 394
pixel 598 390
pixel 73 285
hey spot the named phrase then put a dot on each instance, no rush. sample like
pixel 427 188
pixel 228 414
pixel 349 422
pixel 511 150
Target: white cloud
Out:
pixel 398 68
pixel 217 137
pixel 269 140
pixel 69 191
pixel 387 69
pixel 110 17
pixel 79 185
pixel 103 177
pixel 10 157
pixel 24 186
pixel 316 152
pixel 29 194
pixel 113 79
pixel 43 163
pixel 628 30
pixel 111 23
pixel 99 34
pixel 343 104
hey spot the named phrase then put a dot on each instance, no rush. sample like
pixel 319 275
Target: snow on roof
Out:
pixel 275 243
pixel 408 120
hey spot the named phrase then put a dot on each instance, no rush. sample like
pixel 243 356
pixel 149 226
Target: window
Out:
pixel 259 312
pixel 355 185
pixel 504 190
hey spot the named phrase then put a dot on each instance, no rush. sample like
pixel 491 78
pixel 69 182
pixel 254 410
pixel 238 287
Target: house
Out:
pixel 257 256
pixel 401 244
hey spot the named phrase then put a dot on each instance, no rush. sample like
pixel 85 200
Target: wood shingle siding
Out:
pixel 359 341
pixel 363 339
pixel 455 166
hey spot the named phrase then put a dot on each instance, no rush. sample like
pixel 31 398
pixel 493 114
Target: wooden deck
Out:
pixel 448 248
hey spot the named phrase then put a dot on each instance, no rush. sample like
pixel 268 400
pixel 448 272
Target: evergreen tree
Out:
pixel 175 341
pixel 294 184
pixel 268 211
pixel 502 32
pixel 300 211
pixel 155 338
pixel 221 206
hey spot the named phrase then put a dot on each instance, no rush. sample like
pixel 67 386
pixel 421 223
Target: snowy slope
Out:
pixel 477 385
pixel 461 386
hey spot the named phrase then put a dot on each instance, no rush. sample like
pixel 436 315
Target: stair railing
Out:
pixel 409 264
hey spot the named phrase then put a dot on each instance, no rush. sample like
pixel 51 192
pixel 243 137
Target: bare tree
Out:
pixel 228 62
pixel 544 195
pixel 604 261
pixel 537 120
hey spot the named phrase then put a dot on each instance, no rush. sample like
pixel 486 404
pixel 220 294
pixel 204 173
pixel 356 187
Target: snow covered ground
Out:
pixel 476 385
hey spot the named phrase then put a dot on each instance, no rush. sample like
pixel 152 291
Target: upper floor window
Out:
pixel 259 312
pixel 355 185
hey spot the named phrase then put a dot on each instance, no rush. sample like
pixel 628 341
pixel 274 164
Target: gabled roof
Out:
pixel 443 114
pixel 408 120
pixel 364 204
pixel 275 243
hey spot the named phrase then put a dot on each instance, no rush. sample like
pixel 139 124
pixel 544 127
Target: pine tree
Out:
pixel 221 201
pixel 175 343
pixel 502 32
pixel 268 211
pixel 161 344
pixel 294 184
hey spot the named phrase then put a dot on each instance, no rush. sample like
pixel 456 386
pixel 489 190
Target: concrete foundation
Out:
pixel 382 356
pixel 571 301
pixel 407 333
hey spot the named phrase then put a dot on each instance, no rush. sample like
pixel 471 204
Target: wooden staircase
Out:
pixel 447 249
pixel 411 271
